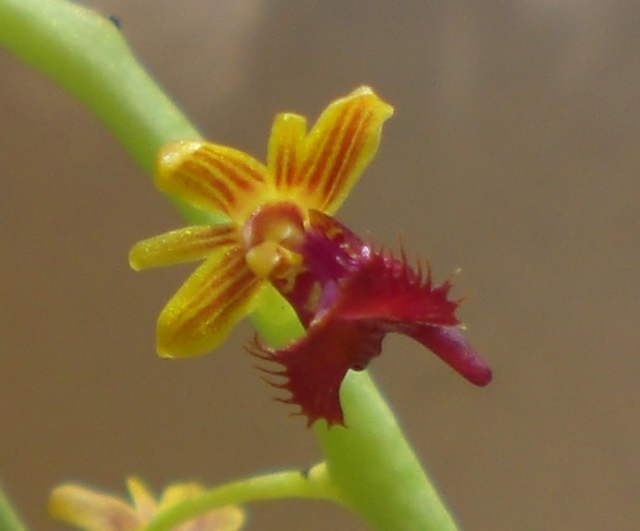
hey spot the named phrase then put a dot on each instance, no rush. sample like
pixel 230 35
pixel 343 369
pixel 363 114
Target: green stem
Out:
pixel 9 519
pixel 370 462
pixel 314 484
pixel 85 53
pixel 372 451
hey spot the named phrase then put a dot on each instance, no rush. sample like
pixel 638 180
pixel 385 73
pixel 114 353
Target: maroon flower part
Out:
pixel 350 296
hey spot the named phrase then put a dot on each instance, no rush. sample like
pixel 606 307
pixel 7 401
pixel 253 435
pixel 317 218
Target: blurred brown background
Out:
pixel 513 154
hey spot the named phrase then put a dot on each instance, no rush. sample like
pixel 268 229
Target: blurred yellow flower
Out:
pixel 90 510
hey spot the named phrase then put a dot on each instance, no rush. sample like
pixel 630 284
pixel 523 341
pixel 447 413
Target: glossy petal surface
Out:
pixel 183 245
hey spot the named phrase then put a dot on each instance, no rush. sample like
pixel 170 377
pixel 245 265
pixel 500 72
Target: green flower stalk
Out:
pixel 9 519
pixel 369 466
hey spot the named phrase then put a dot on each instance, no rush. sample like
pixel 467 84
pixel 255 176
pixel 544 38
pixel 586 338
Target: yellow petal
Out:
pixel 212 300
pixel 339 147
pixel 229 518
pixel 143 501
pixel 91 511
pixel 182 245
pixel 286 149
pixel 211 177
pixel 179 492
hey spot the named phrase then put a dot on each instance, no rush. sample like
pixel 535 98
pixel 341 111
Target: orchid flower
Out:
pixel 278 230
pixel 89 510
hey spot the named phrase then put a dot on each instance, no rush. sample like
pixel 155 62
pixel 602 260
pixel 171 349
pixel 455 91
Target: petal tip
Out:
pixel 384 109
pixel 179 338
pixel 177 348
pixel 171 156
pixel 482 377
pixel 135 259
pixel 172 343
pixel 362 89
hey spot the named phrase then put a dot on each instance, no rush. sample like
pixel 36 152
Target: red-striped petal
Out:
pixel 212 300
pixel 339 147
pixel 286 150
pixel 212 177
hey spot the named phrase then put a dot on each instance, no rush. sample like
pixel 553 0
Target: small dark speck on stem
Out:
pixel 115 20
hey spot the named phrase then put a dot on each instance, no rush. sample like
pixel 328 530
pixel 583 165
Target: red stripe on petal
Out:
pixel 244 176
pixel 316 170
pixel 230 269
pixel 339 147
pixel 207 185
pixel 290 171
pixel 347 159
pixel 285 170
pixel 233 179
pixel 209 176
pixel 228 296
pixel 280 169
pixel 202 312
pixel 285 142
